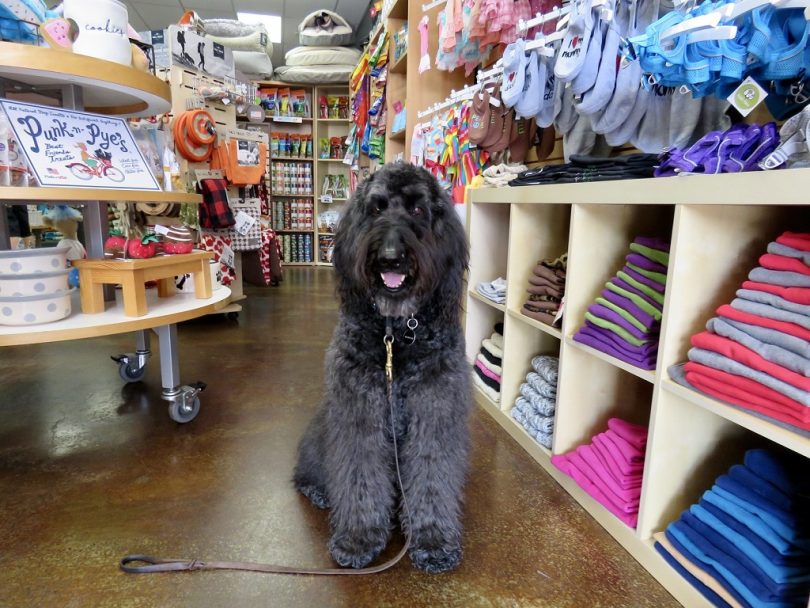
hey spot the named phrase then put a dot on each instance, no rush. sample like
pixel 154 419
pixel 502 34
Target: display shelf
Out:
pixel 28 195
pixel 298 263
pixel 398 9
pixel 334 200
pixel 487 301
pixel 718 227
pixel 325 233
pixel 774 432
pixel 752 188
pixel 291 195
pixel 331 160
pixel 400 66
pixel 550 330
pixel 108 88
pixel 345 121
pixel 644 374
pixel 287 120
pixel 307 159
pixel 295 231
pixel 398 136
pixel 162 311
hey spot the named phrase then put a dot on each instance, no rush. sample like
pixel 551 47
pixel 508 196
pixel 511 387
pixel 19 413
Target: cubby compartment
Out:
pixel 481 320
pixel 709 264
pixel 591 391
pixel 536 232
pixel 600 240
pixel 688 448
pixel 488 230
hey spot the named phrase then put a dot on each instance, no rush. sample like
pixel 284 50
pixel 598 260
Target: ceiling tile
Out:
pixel 263 7
pixel 222 6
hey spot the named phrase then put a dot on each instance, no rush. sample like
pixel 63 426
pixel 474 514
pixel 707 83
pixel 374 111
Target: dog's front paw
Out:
pixel 434 561
pixel 316 495
pixel 355 552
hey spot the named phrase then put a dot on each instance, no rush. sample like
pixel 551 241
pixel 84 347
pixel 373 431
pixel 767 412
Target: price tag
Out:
pixel 227 257
pixel 326 198
pixel 244 222
pixel 559 314
pixel 747 96
pixel 164 230
pixel 292 119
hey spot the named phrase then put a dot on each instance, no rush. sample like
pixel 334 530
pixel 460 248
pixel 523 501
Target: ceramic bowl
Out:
pixel 29 261
pixel 32 310
pixel 38 283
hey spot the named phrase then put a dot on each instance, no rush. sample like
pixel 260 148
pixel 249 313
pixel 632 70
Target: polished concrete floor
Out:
pixel 91 470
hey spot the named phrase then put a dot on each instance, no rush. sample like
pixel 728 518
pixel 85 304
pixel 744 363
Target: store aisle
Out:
pixel 91 470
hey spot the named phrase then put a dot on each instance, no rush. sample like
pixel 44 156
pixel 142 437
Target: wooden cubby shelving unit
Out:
pixel 719 226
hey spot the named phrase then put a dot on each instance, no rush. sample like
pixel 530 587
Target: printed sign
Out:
pixel 247 153
pixel 244 222
pixel 68 149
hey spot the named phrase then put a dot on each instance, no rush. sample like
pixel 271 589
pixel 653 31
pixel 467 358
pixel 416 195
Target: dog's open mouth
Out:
pixel 393 281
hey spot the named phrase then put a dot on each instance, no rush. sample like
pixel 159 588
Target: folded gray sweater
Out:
pixel 790 252
pixel 771 312
pixel 773 336
pixel 771 352
pixel 783 278
pixel 723 363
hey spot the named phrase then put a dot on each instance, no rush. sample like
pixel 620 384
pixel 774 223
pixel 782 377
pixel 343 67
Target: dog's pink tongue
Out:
pixel 392 279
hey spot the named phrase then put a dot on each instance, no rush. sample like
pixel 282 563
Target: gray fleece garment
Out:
pixel 770 352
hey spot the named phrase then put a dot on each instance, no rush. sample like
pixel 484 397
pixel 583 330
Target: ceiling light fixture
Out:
pixel 272 24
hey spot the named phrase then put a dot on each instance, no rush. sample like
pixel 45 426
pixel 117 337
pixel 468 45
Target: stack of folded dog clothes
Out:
pixel 488 364
pixel 583 168
pixel 610 468
pixel 625 321
pixel 535 407
pixel 546 290
pixel 755 353
pixel 747 541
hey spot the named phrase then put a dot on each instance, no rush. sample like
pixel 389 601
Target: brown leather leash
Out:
pixel 165 564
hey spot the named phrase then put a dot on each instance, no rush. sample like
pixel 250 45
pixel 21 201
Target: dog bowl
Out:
pixel 31 310
pixel 38 283
pixel 28 261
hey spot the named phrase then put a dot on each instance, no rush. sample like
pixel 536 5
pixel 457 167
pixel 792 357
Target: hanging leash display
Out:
pixel 150 564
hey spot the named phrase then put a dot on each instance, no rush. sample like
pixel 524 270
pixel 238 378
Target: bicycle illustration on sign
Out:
pixel 97 164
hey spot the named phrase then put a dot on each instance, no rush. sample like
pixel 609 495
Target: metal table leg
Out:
pixel 184 401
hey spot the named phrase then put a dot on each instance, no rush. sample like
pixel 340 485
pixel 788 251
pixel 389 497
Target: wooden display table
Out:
pixel 132 274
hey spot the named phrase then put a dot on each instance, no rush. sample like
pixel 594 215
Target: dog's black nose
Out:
pixel 392 251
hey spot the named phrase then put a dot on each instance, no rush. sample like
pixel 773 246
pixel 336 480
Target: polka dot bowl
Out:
pixel 36 284
pixel 32 310
pixel 28 261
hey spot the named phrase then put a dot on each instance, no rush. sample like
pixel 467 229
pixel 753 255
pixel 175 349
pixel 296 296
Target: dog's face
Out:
pixel 400 241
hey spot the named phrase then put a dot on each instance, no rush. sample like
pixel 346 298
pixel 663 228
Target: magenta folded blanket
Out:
pixel 621 467
pixel 634 434
pixel 569 468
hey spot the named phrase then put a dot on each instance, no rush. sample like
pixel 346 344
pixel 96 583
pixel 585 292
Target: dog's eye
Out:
pixel 375 210
pixel 417 211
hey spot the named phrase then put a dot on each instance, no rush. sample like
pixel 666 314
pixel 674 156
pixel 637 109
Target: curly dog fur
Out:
pixel 399 251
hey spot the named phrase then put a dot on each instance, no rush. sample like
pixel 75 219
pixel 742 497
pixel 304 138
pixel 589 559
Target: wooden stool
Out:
pixel 132 274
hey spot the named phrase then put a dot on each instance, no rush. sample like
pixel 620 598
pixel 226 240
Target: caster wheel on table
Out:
pixel 184 410
pixel 232 316
pixel 131 374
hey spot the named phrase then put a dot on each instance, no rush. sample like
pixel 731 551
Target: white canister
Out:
pixel 103 26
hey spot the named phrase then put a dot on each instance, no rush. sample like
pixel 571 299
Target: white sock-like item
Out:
pixel 625 92
pixel 545 116
pixel 627 130
pixel 653 132
pixel 514 72
pixel 567 117
pixel 580 139
pixel 532 98
pixel 571 56
pixel 596 100
pixel 586 78
pixel 684 118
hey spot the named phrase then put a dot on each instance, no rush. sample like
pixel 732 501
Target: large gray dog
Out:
pixel 400 255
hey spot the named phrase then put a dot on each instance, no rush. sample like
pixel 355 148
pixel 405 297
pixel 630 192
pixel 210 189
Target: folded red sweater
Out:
pixel 788 328
pixel 774 261
pixel 746 356
pixel 799 295
pixel 746 386
pixel 797 240
pixel 739 397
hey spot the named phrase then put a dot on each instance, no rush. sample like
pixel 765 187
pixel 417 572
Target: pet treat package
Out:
pixel 177 45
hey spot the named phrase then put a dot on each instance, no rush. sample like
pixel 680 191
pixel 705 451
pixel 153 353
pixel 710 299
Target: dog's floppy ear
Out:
pixel 449 234
pixel 348 268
